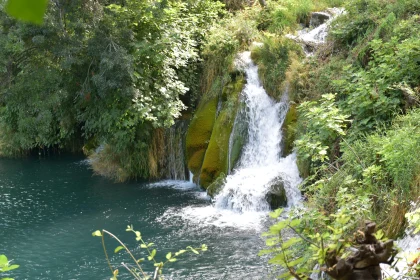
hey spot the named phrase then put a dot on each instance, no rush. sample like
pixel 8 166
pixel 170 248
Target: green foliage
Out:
pixel 5 266
pixel 414 220
pixel 373 95
pixel 135 268
pixel 101 71
pixel 307 237
pixel 273 61
pixel 323 122
pixel 27 10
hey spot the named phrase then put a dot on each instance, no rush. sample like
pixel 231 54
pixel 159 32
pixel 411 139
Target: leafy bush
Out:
pixel 320 125
pixel 273 59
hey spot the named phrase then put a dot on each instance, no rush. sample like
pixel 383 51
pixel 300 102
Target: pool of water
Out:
pixel 49 208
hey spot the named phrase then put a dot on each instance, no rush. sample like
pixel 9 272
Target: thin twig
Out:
pixel 132 273
pixel 106 255
pixel 128 251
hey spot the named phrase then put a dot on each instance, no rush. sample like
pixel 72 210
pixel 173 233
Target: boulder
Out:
pixel 318 18
pixel 276 196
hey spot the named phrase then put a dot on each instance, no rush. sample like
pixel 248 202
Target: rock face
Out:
pixel 209 133
pixel 199 133
pixel 238 137
pixel 289 130
pixel 276 197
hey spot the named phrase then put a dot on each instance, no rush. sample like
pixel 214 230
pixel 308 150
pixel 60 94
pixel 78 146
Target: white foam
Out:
pixel 174 184
pixel 208 216
pixel 246 188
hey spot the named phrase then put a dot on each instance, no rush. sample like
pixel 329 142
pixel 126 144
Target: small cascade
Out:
pixel 173 163
pixel 409 245
pixel 316 34
pixel 190 177
pixel 260 164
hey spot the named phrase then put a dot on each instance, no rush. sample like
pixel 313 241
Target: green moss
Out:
pixel 216 157
pixel 240 134
pixel 237 146
pixel 273 59
pixel 215 160
pixel 199 133
pixel 215 187
pixel 289 130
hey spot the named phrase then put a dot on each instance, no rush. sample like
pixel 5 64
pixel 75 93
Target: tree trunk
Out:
pixel 363 263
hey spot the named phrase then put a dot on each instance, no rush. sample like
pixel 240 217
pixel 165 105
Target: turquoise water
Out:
pixel 50 207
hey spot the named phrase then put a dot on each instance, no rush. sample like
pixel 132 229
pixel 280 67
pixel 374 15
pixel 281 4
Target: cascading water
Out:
pixel 242 201
pixel 316 35
pixel 409 245
pixel 173 163
pixel 261 163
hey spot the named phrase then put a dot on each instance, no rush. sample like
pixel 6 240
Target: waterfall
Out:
pixel 260 164
pixel 409 245
pixel 173 163
pixel 316 35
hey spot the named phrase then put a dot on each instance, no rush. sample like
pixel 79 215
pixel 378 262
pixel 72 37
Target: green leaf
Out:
pixel 118 249
pixel 144 246
pixel 290 242
pixel 140 260
pixel 194 251
pixel 168 255
pixel 3 260
pixel 7 268
pixel 276 213
pixel 173 260
pixel 27 10
pixel 296 262
pixel 295 222
pixel 152 255
pixel 180 252
pixel 97 233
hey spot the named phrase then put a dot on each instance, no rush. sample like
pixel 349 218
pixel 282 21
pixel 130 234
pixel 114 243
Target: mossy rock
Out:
pixel 216 157
pixel 239 135
pixel 289 130
pixel 199 133
pixel 214 188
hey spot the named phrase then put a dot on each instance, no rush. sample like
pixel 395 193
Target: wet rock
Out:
pixel 318 18
pixel 217 185
pixel 276 197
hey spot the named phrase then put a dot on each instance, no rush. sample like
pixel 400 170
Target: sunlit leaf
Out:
pixel 97 233
pixel 27 10
pixel 118 249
